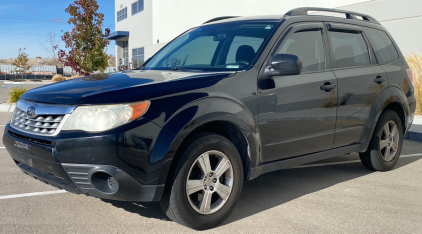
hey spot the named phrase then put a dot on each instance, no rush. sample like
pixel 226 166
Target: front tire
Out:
pixel 385 147
pixel 206 184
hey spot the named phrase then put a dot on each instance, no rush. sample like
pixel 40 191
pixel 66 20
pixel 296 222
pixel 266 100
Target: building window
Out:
pixel 125 54
pixel 122 14
pixel 137 57
pixel 137 6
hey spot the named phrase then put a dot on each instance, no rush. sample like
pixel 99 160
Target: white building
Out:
pixel 144 26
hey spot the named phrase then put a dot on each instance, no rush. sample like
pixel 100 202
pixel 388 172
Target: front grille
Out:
pixel 40 124
pixel 35 140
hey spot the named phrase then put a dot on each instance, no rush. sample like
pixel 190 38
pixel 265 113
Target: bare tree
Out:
pixel 51 46
pixel 111 60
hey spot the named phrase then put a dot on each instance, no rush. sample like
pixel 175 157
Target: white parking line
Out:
pixel 32 194
pixel 410 155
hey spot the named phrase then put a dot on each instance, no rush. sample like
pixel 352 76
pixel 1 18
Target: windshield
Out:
pixel 216 47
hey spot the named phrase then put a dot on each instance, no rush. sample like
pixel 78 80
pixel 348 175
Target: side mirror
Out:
pixel 284 64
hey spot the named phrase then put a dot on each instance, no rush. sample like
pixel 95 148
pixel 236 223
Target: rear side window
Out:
pixel 350 49
pixel 383 46
pixel 309 47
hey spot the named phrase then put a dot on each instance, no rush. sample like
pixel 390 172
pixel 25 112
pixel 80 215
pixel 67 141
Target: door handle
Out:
pixel 379 80
pixel 328 86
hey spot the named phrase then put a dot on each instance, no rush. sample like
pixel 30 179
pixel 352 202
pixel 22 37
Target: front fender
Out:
pixel 197 113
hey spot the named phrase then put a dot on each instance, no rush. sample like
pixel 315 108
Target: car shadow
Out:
pixel 144 209
pixel 273 189
pixel 276 188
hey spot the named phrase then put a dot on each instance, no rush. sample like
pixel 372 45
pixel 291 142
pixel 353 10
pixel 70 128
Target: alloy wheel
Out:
pixel 210 182
pixel 389 141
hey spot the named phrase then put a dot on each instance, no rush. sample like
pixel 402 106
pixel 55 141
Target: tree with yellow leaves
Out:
pixel 21 62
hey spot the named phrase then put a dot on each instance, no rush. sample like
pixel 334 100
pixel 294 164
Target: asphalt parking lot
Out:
pixel 334 196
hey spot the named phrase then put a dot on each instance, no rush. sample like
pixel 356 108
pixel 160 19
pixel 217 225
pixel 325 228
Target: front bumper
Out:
pixel 41 161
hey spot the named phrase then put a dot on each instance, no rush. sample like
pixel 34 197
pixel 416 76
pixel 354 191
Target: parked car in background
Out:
pixel 222 103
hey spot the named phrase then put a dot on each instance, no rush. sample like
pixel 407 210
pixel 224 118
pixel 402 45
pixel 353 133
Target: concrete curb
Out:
pixel 414 133
pixel 26 82
pixel 7 107
pixel 8 84
pixel 413 136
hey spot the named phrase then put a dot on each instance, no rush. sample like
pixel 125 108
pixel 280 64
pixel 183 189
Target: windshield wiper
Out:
pixel 183 69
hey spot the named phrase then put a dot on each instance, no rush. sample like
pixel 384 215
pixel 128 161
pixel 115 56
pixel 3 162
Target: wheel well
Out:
pixel 394 106
pixel 226 129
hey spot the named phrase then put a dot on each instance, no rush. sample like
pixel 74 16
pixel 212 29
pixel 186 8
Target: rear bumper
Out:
pixel 103 181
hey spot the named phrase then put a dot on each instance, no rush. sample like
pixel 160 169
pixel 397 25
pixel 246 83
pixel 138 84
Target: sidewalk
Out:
pixel 415 131
pixel 10 84
pixel 7 85
pixel 7 107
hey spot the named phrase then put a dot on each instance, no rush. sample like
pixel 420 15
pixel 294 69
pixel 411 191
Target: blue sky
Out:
pixel 25 24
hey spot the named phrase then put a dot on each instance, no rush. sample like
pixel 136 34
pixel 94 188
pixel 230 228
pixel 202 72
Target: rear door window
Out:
pixel 383 46
pixel 350 49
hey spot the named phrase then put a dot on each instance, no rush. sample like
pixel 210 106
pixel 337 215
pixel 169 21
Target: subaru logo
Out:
pixel 30 112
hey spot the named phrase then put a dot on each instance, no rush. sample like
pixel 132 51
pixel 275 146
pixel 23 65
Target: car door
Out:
pixel 360 80
pixel 297 113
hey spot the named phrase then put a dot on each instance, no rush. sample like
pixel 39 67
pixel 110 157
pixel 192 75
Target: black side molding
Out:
pixel 300 160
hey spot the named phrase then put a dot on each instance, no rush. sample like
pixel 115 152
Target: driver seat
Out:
pixel 245 53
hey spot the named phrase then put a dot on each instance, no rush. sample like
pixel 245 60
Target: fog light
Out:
pixel 104 182
pixel 112 183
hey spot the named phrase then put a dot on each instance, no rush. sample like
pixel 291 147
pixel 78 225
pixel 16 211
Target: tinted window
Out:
pixel 122 14
pixel 137 57
pixel 350 49
pixel 137 6
pixel 215 47
pixel 238 41
pixel 125 47
pixel 309 47
pixel 199 51
pixel 383 46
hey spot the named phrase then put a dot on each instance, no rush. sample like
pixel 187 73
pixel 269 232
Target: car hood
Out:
pixel 123 87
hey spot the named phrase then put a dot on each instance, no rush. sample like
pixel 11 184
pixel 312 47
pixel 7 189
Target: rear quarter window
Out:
pixel 382 45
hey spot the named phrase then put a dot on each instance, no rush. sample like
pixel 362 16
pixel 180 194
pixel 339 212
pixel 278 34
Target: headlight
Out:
pixel 104 117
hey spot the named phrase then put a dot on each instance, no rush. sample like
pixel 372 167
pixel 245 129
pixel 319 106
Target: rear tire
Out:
pixel 385 146
pixel 210 169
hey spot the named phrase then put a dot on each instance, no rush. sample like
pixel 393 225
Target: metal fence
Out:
pixel 7 72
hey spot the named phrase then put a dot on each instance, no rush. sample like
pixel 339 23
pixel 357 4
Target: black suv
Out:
pixel 222 103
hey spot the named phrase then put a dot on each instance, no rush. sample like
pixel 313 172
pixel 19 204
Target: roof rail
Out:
pixel 349 14
pixel 219 18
